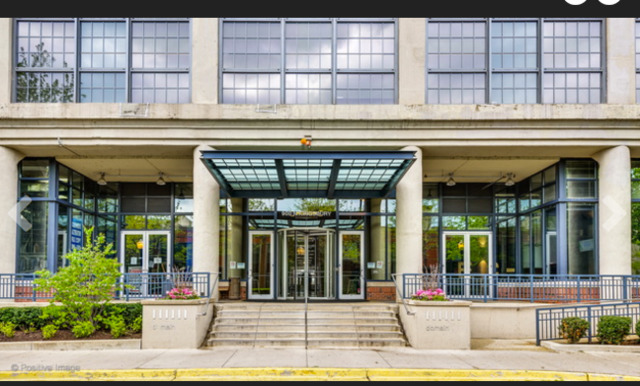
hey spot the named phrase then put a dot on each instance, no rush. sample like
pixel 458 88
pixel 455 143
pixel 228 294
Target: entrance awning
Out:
pixel 300 174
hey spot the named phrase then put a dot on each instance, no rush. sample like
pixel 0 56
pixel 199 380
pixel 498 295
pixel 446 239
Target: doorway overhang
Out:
pixel 310 173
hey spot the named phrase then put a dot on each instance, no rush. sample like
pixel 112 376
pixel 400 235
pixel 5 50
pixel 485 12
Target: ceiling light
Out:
pixel 101 180
pixel 510 181
pixel 161 181
pixel 451 181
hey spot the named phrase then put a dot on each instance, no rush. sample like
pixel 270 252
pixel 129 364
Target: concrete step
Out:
pixel 292 342
pixel 326 325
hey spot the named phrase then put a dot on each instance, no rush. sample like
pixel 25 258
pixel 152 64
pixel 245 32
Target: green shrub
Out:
pixel 638 328
pixel 117 326
pixel 612 329
pixel 49 331
pixel 127 311
pixel 83 329
pixel 136 325
pixel 57 315
pixel 86 285
pixel 25 318
pixel 573 328
pixel 8 329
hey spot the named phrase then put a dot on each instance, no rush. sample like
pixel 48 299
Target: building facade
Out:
pixel 316 158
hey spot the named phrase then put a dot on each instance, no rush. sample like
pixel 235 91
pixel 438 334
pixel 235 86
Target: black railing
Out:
pixel 549 319
pixel 532 288
pixel 20 287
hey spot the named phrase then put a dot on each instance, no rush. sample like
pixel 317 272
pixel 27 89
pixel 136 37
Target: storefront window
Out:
pixel 581 244
pixel 183 242
pixel 430 241
pixel 33 240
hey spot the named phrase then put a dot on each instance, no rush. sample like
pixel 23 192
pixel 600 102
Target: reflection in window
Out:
pixel 581 246
pixel 527 61
pixel 327 61
pixel 156 54
pixel 32 250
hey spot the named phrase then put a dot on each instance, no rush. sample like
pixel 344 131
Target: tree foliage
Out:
pixel 87 284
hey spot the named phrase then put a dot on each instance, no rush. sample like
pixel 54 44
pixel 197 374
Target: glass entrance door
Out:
pixel 260 265
pixel 146 252
pixel 351 265
pixel 306 261
pixel 466 254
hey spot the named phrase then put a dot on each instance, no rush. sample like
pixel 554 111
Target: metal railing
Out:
pixel 20 287
pixel 399 292
pixel 549 319
pixel 532 288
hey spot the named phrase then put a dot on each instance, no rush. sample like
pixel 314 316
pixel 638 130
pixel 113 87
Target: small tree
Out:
pixel 86 285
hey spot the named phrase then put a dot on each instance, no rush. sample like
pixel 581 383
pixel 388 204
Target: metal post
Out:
pixel 578 287
pixel 484 280
pixel 531 288
pixel 590 322
pixel 537 327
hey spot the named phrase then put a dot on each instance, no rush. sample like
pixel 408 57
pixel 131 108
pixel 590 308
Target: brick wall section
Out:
pixel 550 295
pixel 381 293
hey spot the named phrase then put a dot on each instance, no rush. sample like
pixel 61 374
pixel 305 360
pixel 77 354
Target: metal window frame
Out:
pixel 77 71
pixel 541 69
pixel 283 71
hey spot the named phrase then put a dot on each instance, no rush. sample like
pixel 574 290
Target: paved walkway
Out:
pixel 488 360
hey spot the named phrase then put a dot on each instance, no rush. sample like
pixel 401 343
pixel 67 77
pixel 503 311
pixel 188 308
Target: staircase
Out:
pixel 347 325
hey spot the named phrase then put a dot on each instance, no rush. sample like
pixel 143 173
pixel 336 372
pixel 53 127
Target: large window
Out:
pixel 637 61
pixel 635 217
pixel 102 60
pixel 475 61
pixel 298 61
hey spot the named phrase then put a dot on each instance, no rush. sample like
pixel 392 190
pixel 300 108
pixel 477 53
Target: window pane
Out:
pixel 32 251
pixel 580 239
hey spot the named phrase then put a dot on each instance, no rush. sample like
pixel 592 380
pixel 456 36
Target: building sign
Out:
pixel 76 234
pixel 308 214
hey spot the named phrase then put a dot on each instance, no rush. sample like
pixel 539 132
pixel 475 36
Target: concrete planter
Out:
pixel 175 323
pixel 437 324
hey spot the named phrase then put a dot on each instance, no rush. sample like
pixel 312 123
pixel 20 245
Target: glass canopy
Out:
pixel 299 174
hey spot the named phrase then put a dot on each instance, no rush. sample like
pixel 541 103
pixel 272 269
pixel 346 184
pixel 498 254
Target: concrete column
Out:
pixel 377 240
pixel 235 238
pixel 614 211
pixel 206 219
pixel 8 211
pixel 6 57
pixel 621 60
pixel 409 219
pixel 204 60
pixel 411 61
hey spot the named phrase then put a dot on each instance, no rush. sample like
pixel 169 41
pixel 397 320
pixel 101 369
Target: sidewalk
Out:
pixel 490 360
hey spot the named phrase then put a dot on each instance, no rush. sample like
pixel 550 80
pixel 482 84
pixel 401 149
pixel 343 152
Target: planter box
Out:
pixel 175 323
pixel 437 325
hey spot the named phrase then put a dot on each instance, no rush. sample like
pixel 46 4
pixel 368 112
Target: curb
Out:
pixel 308 374
pixel 577 347
pixel 92 344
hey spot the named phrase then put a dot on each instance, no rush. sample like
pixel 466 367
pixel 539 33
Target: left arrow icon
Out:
pixel 16 213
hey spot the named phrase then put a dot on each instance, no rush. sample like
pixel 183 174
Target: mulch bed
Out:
pixel 36 336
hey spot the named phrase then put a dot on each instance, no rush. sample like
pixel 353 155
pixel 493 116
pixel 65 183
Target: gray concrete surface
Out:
pixel 487 355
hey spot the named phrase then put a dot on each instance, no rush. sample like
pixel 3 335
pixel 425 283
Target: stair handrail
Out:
pixel 306 298
pixel 404 304
pixel 210 294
